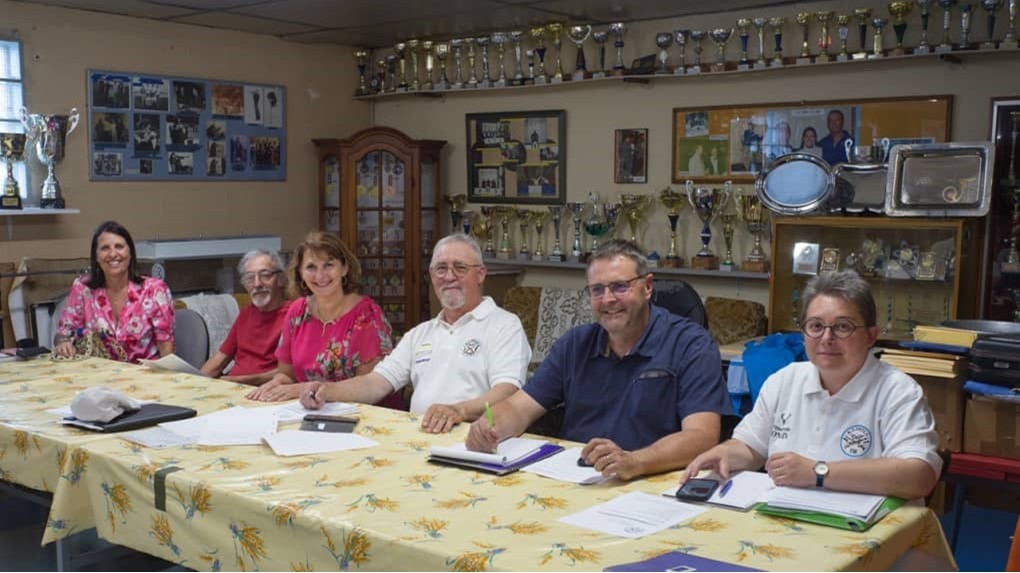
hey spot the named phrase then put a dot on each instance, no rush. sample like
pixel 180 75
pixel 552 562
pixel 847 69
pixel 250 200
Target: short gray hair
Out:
pixel 274 259
pixel 846 285
pixel 621 248
pixel 459 238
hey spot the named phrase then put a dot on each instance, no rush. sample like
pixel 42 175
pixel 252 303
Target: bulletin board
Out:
pixel 152 127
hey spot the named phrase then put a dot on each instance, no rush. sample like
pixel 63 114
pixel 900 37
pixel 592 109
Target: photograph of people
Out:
pixel 716 166
pixel 777 140
pixel 808 142
pixel 696 164
pixel 833 150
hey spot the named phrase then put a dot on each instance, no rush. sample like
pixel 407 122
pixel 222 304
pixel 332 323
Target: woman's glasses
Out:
pixel 841 328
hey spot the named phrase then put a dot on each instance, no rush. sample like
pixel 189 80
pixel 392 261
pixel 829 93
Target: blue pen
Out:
pixel 726 488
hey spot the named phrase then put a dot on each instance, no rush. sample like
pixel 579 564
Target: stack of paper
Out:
pixel 295 412
pixel 507 452
pixel 564 467
pixel 925 363
pixel 945 335
pixel 634 515
pixel 297 442
pixel 854 511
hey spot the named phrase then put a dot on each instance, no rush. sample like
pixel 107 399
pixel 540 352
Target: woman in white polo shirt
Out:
pixel 843 421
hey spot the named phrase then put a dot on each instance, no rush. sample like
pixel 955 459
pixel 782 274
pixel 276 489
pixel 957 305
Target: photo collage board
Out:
pixel 153 127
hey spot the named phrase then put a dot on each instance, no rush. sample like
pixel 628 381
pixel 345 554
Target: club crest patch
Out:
pixel 471 347
pixel 856 441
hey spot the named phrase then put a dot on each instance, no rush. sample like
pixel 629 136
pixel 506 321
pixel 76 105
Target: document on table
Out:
pixel 563 466
pixel 239 427
pixel 156 438
pixel 633 515
pixel 173 363
pixel 507 452
pixel 295 412
pixel 298 442
pixel 749 488
pixel 858 505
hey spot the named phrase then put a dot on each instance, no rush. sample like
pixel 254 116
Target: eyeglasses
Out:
pixel 458 269
pixel 618 288
pixel 263 276
pixel 842 328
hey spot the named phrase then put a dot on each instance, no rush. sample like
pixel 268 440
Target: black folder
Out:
pixel 147 415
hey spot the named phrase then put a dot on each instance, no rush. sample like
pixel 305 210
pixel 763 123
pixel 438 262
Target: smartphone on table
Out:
pixel 327 423
pixel 697 489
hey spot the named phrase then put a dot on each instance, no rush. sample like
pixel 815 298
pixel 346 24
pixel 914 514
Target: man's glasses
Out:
pixel 262 276
pixel 842 328
pixel 458 269
pixel 618 288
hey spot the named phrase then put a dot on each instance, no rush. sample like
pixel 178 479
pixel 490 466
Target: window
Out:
pixel 11 100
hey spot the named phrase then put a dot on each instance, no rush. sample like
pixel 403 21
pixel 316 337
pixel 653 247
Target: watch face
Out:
pixel 821 469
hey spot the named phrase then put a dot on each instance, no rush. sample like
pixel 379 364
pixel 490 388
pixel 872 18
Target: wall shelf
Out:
pixel 501 264
pixel 31 211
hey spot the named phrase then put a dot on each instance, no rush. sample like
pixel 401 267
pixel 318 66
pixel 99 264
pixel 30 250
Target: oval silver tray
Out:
pixel 940 179
pixel 795 184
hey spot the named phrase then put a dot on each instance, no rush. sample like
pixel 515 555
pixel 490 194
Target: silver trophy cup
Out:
pixel 49 132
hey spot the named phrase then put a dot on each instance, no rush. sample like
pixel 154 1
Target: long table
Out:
pixel 383 508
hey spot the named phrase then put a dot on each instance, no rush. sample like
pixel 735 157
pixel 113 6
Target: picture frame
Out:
pixel 719 143
pixel 630 156
pixel 517 157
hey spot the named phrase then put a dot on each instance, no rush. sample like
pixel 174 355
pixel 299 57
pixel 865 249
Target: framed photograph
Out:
pixel 517 157
pixel 630 156
pixel 719 143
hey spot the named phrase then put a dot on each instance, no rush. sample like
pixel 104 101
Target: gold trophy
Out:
pixel 430 64
pixel 843 28
pixel 577 35
pixel 879 24
pixel 675 201
pixel 556 33
pixel 485 228
pixel 12 148
pixel 412 50
pixel 524 220
pixel 756 219
pixel 777 23
pixel 862 15
pixel 505 214
pixel 361 57
pixel 633 207
pixel 720 36
pixel 728 216
pixel 744 29
pixel 539 218
pixel 899 10
pixel 457 203
pixel 467 222
pixel 804 19
pixel 825 40
pixel 1009 41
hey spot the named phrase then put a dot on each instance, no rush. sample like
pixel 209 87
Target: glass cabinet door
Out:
pixel 330 200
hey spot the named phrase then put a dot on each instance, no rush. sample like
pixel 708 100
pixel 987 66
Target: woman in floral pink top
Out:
pixel 131 315
pixel 332 333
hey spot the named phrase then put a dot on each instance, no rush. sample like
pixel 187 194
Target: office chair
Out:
pixel 680 298
pixel 191 338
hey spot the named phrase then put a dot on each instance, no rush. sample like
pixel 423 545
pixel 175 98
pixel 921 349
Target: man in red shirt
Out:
pixel 253 338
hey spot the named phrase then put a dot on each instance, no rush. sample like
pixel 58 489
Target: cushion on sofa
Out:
pixel 730 319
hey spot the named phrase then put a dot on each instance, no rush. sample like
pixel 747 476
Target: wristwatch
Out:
pixel 821 470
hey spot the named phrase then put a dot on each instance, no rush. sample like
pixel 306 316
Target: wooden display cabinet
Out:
pixel 379 190
pixel 921 270
pixel 1002 273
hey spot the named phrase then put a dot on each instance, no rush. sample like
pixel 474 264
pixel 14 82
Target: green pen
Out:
pixel 489 416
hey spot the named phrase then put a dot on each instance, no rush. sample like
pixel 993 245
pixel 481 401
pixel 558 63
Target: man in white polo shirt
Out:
pixel 843 421
pixel 471 354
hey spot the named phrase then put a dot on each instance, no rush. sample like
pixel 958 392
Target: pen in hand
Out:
pixel 489 416
pixel 725 488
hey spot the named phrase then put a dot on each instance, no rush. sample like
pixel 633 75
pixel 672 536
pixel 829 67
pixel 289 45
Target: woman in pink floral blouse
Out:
pixel 130 315
pixel 331 333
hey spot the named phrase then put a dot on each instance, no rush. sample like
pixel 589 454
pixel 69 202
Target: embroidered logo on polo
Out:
pixel 856 441
pixel 781 431
pixel 471 347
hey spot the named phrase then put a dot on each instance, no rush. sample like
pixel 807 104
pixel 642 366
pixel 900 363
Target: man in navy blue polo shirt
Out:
pixel 642 387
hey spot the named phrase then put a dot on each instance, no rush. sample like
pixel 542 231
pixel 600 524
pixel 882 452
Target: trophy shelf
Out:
pixel 506 264
pixel 32 211
pixel 954 57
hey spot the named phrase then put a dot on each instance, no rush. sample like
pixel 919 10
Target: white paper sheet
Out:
pixel 295 412
pixel 563 466
pixel 298 443
pixel 748 489
pixel 239 427
pixel 509 451
pixel 857 505
pixel 633 515
pixel 156 438
pixel 173 363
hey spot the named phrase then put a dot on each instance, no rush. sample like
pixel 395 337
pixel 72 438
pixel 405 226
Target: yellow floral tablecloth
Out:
pixel 386 508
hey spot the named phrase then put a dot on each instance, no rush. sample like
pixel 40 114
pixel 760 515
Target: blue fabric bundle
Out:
pixel 762 358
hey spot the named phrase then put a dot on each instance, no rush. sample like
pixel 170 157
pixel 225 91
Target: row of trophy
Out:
pixel 45 135
pixel 421 65
pixel 599 220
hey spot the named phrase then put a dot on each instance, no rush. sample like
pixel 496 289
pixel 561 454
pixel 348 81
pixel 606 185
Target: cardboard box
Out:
pixel 946 400
pixel 992 428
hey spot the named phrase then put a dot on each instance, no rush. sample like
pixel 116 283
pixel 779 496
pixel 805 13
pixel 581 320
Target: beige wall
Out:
pixel 595 109
pixel 61 44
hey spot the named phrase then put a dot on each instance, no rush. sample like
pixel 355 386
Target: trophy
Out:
pixel 680 37
pixel 577 210
pixel 707 204
pixel 879 24
pixel 756 219
pixel 946 45
pixel 12 148
pixel 539 218
pixel 458 72
pixel 898 10
pixel 556 255
pixel 600 40
pixel 1010 40
pixel 577 35
pixel 483 43
pixel 965 11
pixel 663 40
pixel 990 7
pixel 504 214
pixel 759 26
pixel 361 57
pixel 457 203
pixel 744 27
pixel 378 81
pixel 430 64
pixel 825 40
pixel 472 81
pixel 401 50
pixel 516 37
pixel 442 52
pixel 49 133
pixel 539 35
pixel 556 30
pixel 923 47
pixel 524 220
pixel 467 221
pixel 777 23
pixel 487 227
pixel 633 206
pixel 412 50
pixel 862 15
pixel 697 36
pixel 391 73
pixel 617 29
pixel 600 221
pixel 804 19
pixel 720 36
pixel 728 216
pixel 500 39
pixel 843 27
pixel 675 201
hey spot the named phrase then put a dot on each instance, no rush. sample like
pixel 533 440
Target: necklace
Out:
pixel 333 317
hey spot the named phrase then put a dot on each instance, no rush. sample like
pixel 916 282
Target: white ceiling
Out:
pixel 381 23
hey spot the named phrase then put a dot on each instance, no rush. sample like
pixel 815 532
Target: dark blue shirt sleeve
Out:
pixel 702 388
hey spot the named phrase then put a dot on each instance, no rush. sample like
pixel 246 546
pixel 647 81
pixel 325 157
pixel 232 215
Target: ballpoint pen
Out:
pixel 489 416
pixel 726 488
